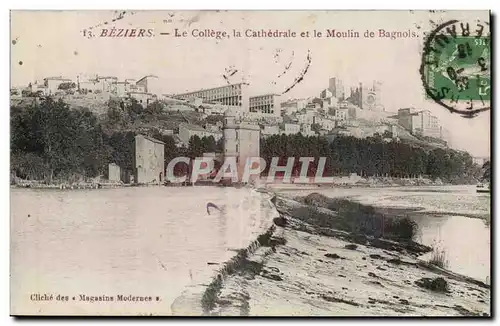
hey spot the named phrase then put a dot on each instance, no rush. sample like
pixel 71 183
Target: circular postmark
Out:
pixel 455 67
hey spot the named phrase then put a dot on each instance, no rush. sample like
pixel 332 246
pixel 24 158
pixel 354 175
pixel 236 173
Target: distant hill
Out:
pixel 173 112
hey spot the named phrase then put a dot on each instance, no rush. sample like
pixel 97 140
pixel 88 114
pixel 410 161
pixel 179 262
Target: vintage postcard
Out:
pixel 250 163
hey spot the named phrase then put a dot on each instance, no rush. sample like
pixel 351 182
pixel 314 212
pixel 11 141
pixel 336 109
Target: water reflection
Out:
pixel 454 218
pixel 465 241
pixel 139 241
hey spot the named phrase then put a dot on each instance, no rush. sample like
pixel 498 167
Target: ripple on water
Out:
pixel 141 241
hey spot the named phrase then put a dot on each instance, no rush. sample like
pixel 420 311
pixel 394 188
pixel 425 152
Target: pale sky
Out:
pixel 51 43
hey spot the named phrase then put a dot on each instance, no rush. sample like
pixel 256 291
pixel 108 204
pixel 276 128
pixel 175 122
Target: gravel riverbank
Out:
pixel 309 269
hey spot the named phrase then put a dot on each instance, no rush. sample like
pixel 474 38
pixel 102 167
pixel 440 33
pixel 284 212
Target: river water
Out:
pixel 139 241
pixel 453 219
pixel 156 241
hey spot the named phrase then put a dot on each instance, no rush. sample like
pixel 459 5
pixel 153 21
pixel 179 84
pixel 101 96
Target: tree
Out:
pixel 387 134
pixel 195 148
pixel 29 166
pixel 369 157
pixel 214 119
pixel 134 109
pixel 219 146
pixel 69 142
pixel 154 108
pixel 122 149
pixel 315 127
pixel 66 86
pixel 486 170
pixel 208 144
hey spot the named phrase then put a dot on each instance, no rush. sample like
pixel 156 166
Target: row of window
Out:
pixel 254 103
pixel 269 108
pixel 225 91
pixel 262 100
pixel 233 100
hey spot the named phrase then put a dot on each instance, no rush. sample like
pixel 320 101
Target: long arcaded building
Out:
pixel 230 95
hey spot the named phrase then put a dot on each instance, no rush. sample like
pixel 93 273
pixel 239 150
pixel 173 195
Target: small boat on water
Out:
pixel 483 187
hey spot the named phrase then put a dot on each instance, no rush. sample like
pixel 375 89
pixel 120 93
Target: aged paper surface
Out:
pixel 250 163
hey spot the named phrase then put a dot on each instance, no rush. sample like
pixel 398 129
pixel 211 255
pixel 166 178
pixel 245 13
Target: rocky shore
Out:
pixel 314 264
pixel 77 185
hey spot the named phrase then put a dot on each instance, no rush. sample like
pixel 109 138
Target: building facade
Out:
pixel 268 104
pixel 324 123
pixel 420 123
pixel 114 173
pixel 151 84
pixel 107 84
pixel 149 163
pixel 292 128
pixel 270 130
pixel 142 98
pixel 186 131
pixel 121 89
pixel 445 135
pixel 336 87
pixel 330 102
pixel 52 84
pixel 367 98
pixel 242 141
pixel 341 115
pixel 480 160
pixel 305 130
pixel 308 117
pixel 371 97
pixel 136 88
pixel 326 93
pixel 291 106
pixel 405 118
pixel 235 95
pixel 89 85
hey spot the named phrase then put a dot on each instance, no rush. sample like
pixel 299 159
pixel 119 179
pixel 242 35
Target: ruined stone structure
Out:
pixel 149 163
pixel 241 140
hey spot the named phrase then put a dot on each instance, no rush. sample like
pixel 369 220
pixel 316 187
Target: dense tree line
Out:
pixel 196 148
pixel 50 141
pixel 486 169
pixel 371 156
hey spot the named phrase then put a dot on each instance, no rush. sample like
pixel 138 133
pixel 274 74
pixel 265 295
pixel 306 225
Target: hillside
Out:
pixel 168 116
pixel 367 128
pixel 168 113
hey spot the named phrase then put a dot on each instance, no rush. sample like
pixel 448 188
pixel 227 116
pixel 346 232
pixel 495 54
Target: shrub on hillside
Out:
pixel 363 219
pixel 438 257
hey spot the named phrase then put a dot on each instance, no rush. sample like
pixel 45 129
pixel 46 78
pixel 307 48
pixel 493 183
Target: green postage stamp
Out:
pixel 464 71
pixel 456 67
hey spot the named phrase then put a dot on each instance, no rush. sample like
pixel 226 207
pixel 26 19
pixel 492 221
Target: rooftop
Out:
pixel 262 95
pixel 209 89
pixel 147 76
pixel 144 93
pixel 154 140
pixel 195 127
pixel 57 78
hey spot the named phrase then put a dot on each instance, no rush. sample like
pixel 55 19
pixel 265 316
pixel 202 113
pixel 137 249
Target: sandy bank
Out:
pixel 200 299
pixel 311 270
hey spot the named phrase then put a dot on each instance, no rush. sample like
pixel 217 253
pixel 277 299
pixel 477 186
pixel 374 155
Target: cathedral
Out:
pixel 367 98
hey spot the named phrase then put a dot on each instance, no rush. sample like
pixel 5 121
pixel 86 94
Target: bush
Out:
pixel 401 228
pixel 437 284
pixel 438 257
pixel 29 166
pixel 362 219
pixel 316 200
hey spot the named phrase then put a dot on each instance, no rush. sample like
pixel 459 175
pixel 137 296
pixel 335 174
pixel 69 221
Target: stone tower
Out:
pixel 241 141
